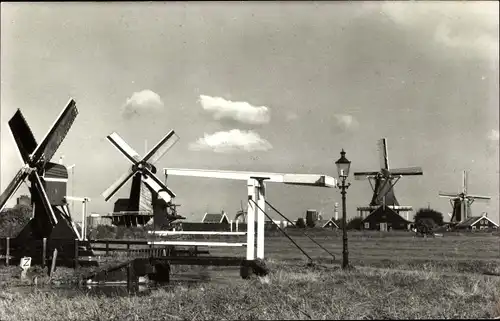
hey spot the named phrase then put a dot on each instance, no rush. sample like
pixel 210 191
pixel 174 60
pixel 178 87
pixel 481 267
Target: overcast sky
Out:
pixel 278 87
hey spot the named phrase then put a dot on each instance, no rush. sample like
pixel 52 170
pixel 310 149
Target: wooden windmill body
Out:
pixel 461 202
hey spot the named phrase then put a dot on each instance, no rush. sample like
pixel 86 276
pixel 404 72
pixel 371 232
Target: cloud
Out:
pixel 494 135
pixel 469 26
pixel 238 110
pixel 234 140
pixel 346 121
pixel 142 101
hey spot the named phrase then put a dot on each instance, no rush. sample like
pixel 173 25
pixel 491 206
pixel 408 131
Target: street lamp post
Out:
pixel 343 165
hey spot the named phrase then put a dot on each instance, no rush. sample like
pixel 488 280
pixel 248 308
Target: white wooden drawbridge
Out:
pixel 256 184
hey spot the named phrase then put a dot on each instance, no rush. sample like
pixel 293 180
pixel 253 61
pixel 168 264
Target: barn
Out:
pixel 215 218
pixel 477 223
pixel 385 218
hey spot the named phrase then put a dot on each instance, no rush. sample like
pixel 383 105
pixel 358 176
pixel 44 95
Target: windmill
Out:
pixel 48 180
pixel 148 195
pixel 461 202
pixel 382 182
pixel 241 212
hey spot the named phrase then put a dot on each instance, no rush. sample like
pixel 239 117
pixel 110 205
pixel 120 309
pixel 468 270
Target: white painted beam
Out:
pixel 195 243
pixel 310 180
pixel 166 233
pixel 294 179
pixel 78 199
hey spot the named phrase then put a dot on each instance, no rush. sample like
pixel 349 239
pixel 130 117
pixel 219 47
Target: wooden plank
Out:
pixel 295 179
pixel 201 260
pixel 132 242
pixel 196 233
pixel 222 244
pixel 309 180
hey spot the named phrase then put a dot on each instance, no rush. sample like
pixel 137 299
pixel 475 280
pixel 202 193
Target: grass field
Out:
pixel 396 277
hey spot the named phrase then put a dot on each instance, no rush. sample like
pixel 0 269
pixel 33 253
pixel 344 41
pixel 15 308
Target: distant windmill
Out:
pixel 382 182
pixel 241 212
pixel 385 178
pixel 461 202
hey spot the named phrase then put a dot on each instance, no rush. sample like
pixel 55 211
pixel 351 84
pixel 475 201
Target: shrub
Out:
pixel 428 213
pixel 355 223
pixel 13 220
pixel 300 223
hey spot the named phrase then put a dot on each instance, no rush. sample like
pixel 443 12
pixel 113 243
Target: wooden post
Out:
pixel 128 249
pixel 76 254
pixel 53 266
pixel 7 254
pixel 131 281
pixel 107 247
pixel 44 251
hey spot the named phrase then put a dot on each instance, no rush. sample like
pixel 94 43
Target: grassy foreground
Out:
pixel 289 292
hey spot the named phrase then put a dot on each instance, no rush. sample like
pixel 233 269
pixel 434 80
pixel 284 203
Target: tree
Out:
pixel 355 223
pixel 429 214
pixel 301 223
pixel 13 220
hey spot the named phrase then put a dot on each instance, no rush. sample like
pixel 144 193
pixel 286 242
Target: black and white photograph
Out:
pixel 249 160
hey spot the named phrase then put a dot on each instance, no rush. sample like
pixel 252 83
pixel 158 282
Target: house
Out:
pixel 215 218
pixel 385 218
pixel 327 224
pixel 477 223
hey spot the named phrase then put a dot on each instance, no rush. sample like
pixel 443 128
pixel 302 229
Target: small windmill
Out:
pixel 146 187
pixel 382 181
pixel 461 202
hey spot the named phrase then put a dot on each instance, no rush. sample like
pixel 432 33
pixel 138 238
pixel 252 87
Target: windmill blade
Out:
pixel 408 171
pixel 25 141
pixel 157 185
pixel 364 175
pixel 464 183
pixel 42 195
pixel 161 148
pixel 479 197
pixel 118 184
pixel 382 150
pixel 56 134
pixel 13 187
pixel 450 195
pixel 123 147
